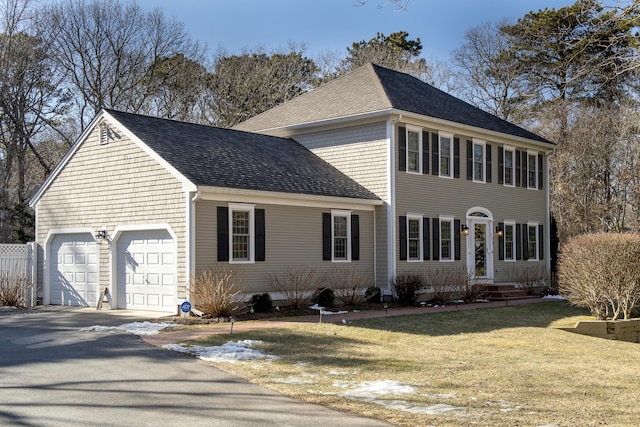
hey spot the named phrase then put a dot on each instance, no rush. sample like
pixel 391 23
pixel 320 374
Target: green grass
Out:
pixel 499 366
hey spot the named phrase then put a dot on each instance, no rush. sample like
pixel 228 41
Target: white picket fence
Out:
pixel 19 261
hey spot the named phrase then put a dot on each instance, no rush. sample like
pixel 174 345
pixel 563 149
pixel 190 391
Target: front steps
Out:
pixel 505 292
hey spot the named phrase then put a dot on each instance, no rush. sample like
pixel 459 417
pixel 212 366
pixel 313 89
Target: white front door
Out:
pixel 480 246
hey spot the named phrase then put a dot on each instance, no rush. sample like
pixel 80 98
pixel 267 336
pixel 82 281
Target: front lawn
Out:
pixel 496 366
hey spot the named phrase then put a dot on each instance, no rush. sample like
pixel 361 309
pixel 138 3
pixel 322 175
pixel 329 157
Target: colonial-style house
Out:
pixel 375 171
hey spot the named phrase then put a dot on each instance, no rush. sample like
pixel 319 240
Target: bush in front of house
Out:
pixel 372 295
pixel 406 286
pixel 601 272
pixel 532 279
pixel 261 303
pixel 324 297
pixel 349 284
pixel 450 283
pixel 14 290
pixel 297 285
pixel 215 291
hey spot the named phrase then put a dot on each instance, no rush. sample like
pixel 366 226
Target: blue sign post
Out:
pixel 185 307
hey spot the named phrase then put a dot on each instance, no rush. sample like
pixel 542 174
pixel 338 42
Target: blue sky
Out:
pixel 333 25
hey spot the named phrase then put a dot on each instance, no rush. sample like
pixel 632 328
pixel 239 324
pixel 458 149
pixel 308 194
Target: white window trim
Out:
pixel 242 207
pixel 535 155
pixel 452 258
pixel 537 251
pixel 420 243
pixel 448 135
pixel 340 213
pixel 417 130
pixel 511 224
pixel 483 143
pixel 512 150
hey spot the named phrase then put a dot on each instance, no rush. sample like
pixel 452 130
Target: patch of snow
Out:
pixel 325 312
pixel 369 391
pixel 137 328
pixel 228 352
pixel 292 380
pixel 556 297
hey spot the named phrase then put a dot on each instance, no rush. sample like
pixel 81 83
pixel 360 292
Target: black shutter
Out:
pixel 501 242
pixel 540 173
pixel 518 238
pixel 456 157
pixel 518 158
pixel 326 236
pixel 525 176
pixel 426 243
pixel 436 239
pixel 435 154
pixel 425 152
pixel 260 234
pixel 488 163
pixel 223 233
pixel 402 148
pixel 500 165
pixel 355 237
pixel 469 159
pixel 403 237
pixel 525 242
pixel 456 238
pixel 540 242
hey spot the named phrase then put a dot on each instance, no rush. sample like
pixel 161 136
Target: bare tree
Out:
pixel 108 48
pixel 248 84
pixel 31 101
pixel 492 76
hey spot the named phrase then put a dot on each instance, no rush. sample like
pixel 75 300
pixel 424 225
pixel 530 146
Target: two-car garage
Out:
pixel 143 275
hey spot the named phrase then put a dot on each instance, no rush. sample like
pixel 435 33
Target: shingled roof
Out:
pixel 372 88
pixel 210 156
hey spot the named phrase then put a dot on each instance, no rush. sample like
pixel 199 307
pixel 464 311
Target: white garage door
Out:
pixel 146 271
pixel 74 270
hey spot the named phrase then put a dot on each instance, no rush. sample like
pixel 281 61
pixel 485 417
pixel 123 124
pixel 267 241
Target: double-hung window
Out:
pixel 508 164
pixel 532 241
pixel 509 241
pixel 341 230
pixel 446 239
pixel 532 170
pixel 446 154
pixel 414 150
pixel 414 238
pixel 479 147
pixel 241 232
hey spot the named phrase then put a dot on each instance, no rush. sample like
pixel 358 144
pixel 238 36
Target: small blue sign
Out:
pixel 185 307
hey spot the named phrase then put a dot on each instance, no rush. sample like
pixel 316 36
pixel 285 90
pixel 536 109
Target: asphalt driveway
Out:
pixel 54 374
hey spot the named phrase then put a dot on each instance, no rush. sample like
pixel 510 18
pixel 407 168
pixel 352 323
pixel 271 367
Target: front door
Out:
pixel 480 247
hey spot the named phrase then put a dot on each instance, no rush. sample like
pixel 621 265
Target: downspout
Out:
pixel 391 200
pixel 192 198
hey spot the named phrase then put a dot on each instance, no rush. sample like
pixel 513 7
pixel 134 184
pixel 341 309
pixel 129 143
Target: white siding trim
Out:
pixel 235 195
pixel 391 203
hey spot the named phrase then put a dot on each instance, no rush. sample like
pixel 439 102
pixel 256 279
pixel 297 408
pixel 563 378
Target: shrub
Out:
pixel 349 284
pixel 215 291
pixel 406 287
pixel 532 278
pixel 297 285
pixel 14 290
pixel 601 272
pixel 372 294
pixel 450 283
pixel 261 303
pixel 324 297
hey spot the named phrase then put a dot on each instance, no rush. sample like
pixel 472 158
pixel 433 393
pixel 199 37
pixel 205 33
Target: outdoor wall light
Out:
pixel 464 230
pixel 499 232
pixel 102 234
